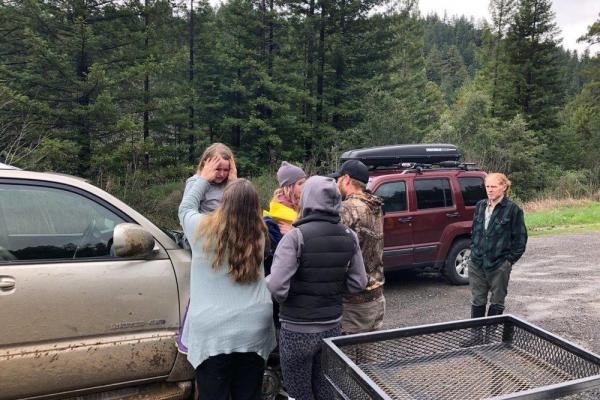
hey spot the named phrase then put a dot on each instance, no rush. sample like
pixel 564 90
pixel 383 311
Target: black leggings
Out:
pixel 238 375
pixel 300 355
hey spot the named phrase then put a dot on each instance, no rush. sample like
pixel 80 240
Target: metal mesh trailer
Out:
pixel 499 357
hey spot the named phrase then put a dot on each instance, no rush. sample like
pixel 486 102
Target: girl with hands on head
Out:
pixel 216 169
pixel 229 327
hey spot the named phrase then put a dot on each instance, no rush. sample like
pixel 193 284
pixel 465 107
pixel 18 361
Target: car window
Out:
pixel 393 195
pixel 49 223
pixel 433 193
pixel 472 190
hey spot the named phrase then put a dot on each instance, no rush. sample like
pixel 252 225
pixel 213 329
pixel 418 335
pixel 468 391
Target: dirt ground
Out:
pixel 555 285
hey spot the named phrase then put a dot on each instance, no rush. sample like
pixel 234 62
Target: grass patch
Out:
pixel 562 216
pixel 159 203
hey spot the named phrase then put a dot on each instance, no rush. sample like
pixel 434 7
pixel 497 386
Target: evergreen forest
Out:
pixel 128 93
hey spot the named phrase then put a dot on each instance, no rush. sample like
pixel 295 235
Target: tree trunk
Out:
pixel 190 138
pixel 321 71
pixel 146 133
pixel 340 66
pixel 85 135
pixel 271 45
pixel 310 68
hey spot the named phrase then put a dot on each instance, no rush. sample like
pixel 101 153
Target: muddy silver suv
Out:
pixel 91 292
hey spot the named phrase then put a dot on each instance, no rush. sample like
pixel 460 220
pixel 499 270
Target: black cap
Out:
pixel 353 168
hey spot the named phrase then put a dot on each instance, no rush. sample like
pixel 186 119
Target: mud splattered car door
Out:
pixel 74 317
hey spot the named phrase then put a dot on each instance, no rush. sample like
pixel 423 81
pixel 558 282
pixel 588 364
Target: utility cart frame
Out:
pixel 500 357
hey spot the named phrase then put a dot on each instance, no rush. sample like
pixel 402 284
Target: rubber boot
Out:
pixel 478 311
pixel 495 309
pixel 475 337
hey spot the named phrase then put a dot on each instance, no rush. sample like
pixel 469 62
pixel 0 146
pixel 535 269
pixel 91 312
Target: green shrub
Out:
pixel 265 185
pixel 561 184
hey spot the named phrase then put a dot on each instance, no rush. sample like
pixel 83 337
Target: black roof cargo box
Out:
pixel 403 153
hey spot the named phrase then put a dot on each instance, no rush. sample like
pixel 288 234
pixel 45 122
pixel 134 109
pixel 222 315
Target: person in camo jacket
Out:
pixel 363 213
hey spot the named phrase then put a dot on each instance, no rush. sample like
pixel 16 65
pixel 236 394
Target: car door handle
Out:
pixel 7 283
pixel 405 220
pixel 452 215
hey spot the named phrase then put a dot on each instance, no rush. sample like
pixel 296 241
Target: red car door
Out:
pixel 435 209
pixel 397 224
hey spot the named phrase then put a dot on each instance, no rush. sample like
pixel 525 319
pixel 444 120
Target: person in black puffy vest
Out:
pixel 315 263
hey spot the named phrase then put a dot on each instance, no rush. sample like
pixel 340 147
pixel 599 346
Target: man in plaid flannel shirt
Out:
pixel 499 240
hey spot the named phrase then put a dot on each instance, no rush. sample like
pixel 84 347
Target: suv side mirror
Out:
pixel 131 240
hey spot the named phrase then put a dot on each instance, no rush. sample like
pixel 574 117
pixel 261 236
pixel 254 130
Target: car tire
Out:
pixel 456 268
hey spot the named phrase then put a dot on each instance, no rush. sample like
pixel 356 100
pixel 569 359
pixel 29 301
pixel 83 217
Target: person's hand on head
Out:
pixel 209 169
pixel 232 171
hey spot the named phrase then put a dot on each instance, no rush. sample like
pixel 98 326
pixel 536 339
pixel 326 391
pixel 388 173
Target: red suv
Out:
pixel 429 199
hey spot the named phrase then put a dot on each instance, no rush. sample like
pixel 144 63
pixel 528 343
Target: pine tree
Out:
pixel 255 89
pixel 63 72
pixel 406 81
pixel 534 59
pixel 502 12
pixel 581 126
pixel 454 74
pixel 434 65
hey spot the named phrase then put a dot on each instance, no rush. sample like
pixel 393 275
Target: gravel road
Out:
pixel 555 285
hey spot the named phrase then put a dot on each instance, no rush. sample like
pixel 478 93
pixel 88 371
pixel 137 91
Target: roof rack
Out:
pixel 443 165
pixel 416 157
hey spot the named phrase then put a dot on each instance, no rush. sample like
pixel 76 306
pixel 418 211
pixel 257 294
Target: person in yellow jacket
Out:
pixel 283 211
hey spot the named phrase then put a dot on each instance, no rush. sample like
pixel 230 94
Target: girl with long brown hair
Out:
pixel 229 328
pixel 215 170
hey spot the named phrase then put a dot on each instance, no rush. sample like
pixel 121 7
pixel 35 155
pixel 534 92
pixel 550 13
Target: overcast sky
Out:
pixel 572 16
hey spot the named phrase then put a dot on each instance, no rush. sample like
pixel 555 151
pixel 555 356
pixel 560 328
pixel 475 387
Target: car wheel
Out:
pixel 456 269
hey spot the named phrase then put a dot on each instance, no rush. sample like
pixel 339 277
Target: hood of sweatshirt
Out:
pixel 320 195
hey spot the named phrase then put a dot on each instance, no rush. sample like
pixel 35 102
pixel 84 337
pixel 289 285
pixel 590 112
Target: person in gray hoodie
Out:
pixel 315 263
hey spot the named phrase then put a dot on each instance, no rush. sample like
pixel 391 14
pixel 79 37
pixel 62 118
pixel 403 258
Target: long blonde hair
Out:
pixel 288 193
pixel 236 232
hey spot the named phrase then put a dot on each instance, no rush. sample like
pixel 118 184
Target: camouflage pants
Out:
pixel 363 317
